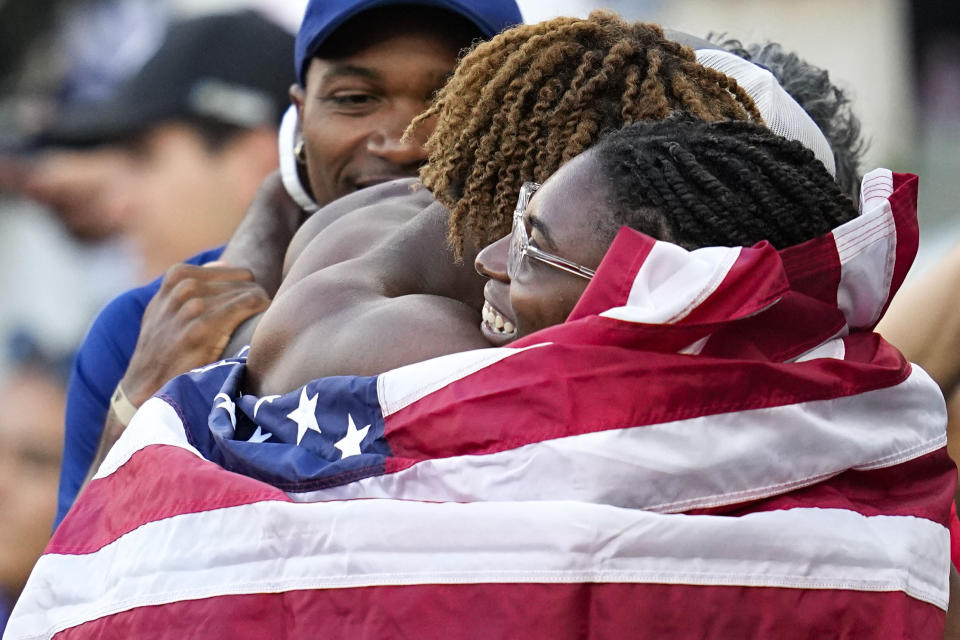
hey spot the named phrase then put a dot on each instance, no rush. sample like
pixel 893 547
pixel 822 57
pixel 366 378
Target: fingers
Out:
pixel 211 320
pixel 193 275
pixel 188 323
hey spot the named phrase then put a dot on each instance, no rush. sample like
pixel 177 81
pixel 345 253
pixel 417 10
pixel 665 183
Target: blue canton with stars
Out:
pixel 326 433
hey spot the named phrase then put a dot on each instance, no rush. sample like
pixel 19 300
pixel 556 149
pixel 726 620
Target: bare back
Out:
pixel 370 285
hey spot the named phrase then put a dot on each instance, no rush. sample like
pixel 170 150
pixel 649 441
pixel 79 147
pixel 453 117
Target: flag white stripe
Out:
pixel 387 542
pixel 672 282
pixel 867 249
pixel 876 187
pixel 401 387
pixel 833 348
pixel 155 422
pixel 687 464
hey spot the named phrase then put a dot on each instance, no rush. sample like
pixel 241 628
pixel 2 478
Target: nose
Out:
pixel 387 140
pixel 492 260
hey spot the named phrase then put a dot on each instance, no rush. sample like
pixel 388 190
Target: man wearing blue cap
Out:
pixel 364 70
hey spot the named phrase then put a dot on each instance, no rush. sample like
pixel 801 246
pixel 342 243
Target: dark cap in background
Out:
pixel 229 68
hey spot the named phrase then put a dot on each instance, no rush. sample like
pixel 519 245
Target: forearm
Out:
pixel 260 241
pixel 112 430
pixel 923 321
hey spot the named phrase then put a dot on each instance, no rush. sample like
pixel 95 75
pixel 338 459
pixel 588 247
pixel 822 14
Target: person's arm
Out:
pixel 260 241
pixel 260 244
pixel 924 323
pixel 185 325
pixel 188 323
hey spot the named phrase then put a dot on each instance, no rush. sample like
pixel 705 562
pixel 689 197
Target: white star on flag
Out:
pixel 349 445
pixel 304 415
pixel 259 436
pixel 266 399
pixel 226 403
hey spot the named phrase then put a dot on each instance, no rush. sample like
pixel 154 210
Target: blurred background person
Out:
pixel 125 146
pixel 180 149
pixel 32 398
pixel 107 179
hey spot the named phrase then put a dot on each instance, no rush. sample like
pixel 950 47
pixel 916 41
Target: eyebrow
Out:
pixel 539 225
pixel 350 70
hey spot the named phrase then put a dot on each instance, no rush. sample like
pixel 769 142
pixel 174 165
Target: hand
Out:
pixel 189 322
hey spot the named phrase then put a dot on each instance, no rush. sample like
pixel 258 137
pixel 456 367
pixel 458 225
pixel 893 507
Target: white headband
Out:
pixel 781 113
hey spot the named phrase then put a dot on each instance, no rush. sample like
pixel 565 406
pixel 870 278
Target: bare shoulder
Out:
pixel 398 199
pixel 360 333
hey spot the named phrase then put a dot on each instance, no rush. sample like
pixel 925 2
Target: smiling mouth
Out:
pixel 494 322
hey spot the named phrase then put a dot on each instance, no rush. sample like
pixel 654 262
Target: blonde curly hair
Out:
pixel 522 104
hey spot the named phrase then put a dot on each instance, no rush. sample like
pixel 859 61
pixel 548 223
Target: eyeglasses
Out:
pixel 520 242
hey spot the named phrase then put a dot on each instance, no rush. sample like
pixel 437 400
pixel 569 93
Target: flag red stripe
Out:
pixel 903 201
pixel 468 417
pixel 532 611
pixel 157 482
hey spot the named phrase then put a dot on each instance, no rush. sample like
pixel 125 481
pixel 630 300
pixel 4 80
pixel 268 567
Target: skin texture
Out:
pixel 560 218
pixel 357 281
pixel 31 441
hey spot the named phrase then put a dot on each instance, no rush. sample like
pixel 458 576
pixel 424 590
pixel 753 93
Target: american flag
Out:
pixel 714 445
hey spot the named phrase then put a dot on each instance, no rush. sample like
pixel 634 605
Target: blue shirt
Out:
pixel 99 365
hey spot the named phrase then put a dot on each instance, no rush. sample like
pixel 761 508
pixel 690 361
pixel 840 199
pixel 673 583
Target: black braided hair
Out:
pixel 717 184
pixel 825 102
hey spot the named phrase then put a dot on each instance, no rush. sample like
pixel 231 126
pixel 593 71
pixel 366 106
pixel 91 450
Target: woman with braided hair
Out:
pixel 688 182
pixel 537 95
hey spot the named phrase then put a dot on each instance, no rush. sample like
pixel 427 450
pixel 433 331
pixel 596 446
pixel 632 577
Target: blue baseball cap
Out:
pixel 323 17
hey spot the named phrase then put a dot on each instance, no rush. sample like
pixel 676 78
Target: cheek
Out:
pixel 537 309
pixel 542 307
pixel 331 144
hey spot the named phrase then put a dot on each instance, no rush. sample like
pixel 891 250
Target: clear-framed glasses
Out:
pixel 520 242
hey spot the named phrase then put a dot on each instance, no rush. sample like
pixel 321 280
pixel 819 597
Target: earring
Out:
pixel 299 152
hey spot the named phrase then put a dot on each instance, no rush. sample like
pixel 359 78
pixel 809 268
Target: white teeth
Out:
pixel 495 321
